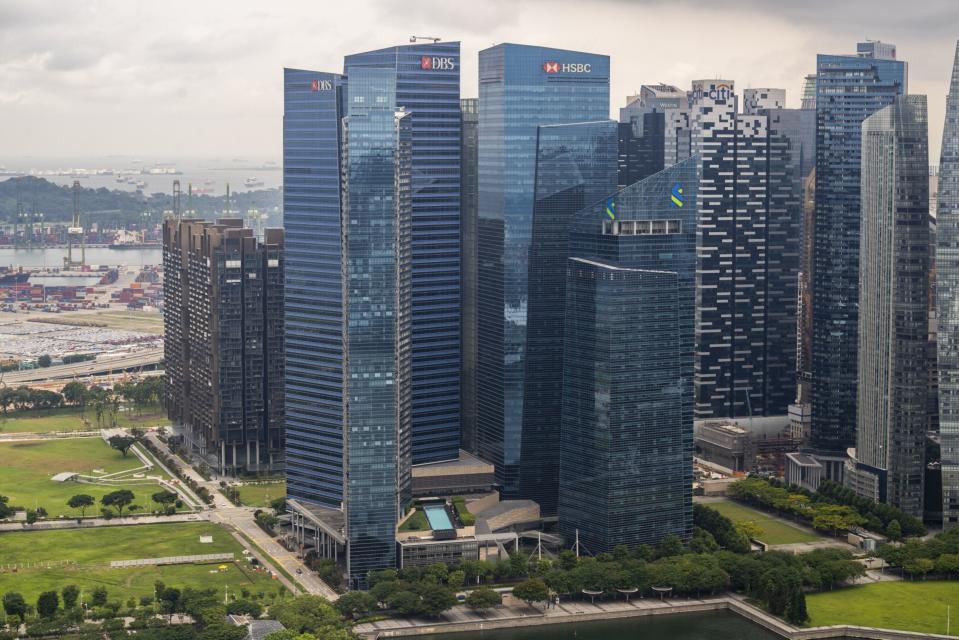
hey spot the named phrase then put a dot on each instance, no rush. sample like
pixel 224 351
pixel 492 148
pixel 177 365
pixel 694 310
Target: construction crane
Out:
pixel 416 38
pixel 75 232
pixel 19 218
pixel 176 199
pixel 190 212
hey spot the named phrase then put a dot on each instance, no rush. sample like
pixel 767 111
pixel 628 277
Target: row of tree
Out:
pixel 832 508
pixel 23 398
pixel 919 558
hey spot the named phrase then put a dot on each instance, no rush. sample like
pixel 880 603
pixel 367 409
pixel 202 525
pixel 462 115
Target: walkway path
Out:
pixel 241 519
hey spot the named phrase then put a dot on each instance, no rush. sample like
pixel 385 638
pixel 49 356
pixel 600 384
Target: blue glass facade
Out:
pixel 428 87
pixel 575 166
pixel 347 211
pixel 627 427
pixel 377 281
pixel 849 88
pixel 520 88
pixel 313 109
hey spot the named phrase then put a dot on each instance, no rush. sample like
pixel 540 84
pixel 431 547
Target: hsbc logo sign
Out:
pixel 567 67
pixel 432 63
pixel 321 85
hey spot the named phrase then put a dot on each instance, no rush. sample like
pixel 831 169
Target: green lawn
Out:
pixel 93 549
pixel 261 494
pixel 416 522
pixel 774 530
pixel 908 606
pixel 71 419
pixel 27 469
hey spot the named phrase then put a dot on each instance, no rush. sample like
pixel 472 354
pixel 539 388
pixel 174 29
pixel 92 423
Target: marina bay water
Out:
pixel 53 256
pixel 694 626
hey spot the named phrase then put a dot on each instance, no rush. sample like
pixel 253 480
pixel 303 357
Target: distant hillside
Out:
pixel 56 202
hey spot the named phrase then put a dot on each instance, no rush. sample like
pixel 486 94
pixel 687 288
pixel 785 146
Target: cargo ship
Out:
pixel 10 279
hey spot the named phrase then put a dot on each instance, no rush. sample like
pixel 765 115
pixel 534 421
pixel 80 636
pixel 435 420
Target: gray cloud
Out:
pixel 183 78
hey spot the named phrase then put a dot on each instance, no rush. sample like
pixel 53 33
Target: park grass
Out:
pixel 29 466
pixel 262 493
pixel 416 522
pixel 92 550
pixel 71 419
pixel 774 530
pixel 907 606
pixel 143 321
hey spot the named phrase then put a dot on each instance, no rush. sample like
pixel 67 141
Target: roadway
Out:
pixel 101 366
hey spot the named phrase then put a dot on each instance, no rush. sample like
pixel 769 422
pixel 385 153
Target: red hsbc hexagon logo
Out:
pixel 567 67
pixel 551 67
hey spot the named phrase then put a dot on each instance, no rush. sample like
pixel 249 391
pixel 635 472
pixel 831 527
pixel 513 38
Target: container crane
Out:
pixel 75 233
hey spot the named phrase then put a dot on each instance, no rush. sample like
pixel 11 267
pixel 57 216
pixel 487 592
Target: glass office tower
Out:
pixel 947 292
pixel 469 185
pixel 348 207
pixel 428 87
pixel 575 166
pixel 627 421
pixel 849 88
pixel 315 357
pixel 889 462
pixel 520 88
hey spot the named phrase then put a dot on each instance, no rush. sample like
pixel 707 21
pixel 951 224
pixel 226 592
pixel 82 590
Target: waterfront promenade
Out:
pixel 514 613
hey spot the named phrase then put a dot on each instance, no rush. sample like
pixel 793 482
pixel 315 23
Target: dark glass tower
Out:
pixel 315 357
pixel 849 88
pixel 469 191
pixel 347 189
pixel 575 166
pixel 521 87
pixel 627 421
pixel 428 87
pixel 894 307
pixel 947 292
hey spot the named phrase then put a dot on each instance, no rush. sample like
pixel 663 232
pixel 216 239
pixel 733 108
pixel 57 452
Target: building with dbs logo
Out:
pixel 521 88
pixel 626 446
pixel 347 212
pixel 428 88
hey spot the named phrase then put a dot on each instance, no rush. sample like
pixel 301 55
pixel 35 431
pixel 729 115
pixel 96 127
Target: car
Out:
pixel 299 572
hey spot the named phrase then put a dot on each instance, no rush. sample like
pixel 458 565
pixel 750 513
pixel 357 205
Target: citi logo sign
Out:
pixel 431 63
pixel 321 85
pixel 567 67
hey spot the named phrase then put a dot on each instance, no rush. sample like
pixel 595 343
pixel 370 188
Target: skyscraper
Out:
pixel 889 462
pixel 350 462
pixel 947 292
pixel 749 211
pixel 223 339
pixel 575 167
pixel 521 87
pixel 469 195
pixel 849 88
pixel 428 87
pixel 642 131
pixel 627 434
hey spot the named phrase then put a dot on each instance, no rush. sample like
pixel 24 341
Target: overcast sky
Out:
pixel 176 80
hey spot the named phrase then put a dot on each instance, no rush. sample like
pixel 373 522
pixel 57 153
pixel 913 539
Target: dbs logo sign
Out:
pixel 431 63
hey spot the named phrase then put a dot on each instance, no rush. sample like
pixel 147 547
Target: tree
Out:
pixel 894 530
pixel 15 605
pixel 118 499
pixel 81 501
pixel 456 579
pixel 671 545
pixel 308 614
pixel 75 393
pixel 918 566
pixel 403 602
pixel 483 598
pixel 164 497
pixel 121 443
pixel 98 597
pixel 531 591
pixel 354 603
pixel 70 594
pixel 47 604
pixel 796 610
pixel 948 563
pixel 222 631
pixel 44 361
pixel 435 599
pixel 6 511
pixel 31 516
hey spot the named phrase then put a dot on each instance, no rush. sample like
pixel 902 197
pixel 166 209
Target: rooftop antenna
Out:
pixel 176 199
pixel 416 38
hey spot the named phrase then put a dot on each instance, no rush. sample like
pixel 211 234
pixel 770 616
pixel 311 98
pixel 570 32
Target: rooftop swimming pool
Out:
pixel 438 518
